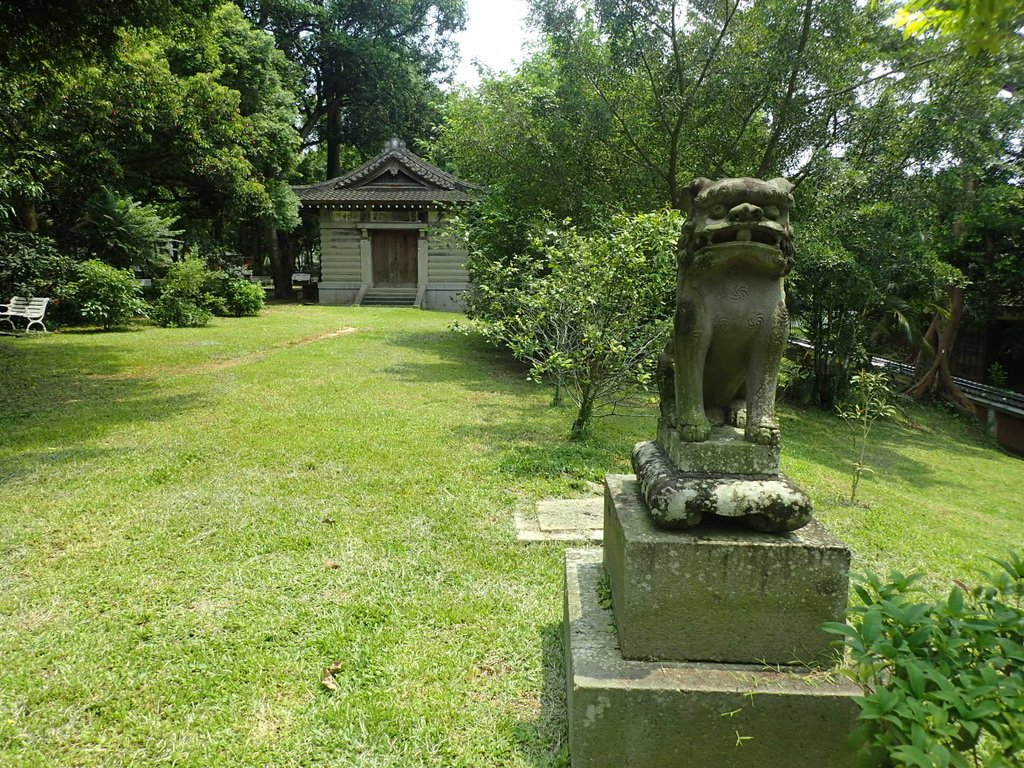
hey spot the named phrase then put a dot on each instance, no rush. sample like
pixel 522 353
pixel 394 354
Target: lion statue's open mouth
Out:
pixel 737 234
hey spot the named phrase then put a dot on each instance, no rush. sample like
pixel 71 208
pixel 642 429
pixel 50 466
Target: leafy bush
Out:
pixel 234 296
pixel 943 680
pixel 185 301
pixel 191 294
pixel 31 265
pixel 590 313
pixel 177 310
pixel 106 295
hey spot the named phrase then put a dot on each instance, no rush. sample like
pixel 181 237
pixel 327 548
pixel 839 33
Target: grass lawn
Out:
pixel 195 523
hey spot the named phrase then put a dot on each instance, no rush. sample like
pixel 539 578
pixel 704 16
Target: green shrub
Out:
pixel 590 313
pixel 234 296
pixel 245 299
pixel 188 278
pixel 106 295
pixel 177 309
pixel 185 301
pixel 31 265
pixel 943 680
pixel 191 294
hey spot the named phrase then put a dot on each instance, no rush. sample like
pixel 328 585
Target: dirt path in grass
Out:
pixel 212 366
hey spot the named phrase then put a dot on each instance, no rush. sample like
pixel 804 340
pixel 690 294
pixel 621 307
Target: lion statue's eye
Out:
pixel 719 211
pixel 771 212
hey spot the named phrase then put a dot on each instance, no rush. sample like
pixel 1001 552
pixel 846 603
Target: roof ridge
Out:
pixel 396 149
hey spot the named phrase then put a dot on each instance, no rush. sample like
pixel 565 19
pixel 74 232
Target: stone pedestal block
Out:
pixel 642 714
pixel 720 593
pixel 681 500
pixel 725 453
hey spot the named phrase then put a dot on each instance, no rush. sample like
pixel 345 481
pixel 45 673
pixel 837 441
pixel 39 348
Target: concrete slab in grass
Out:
pixel 563 520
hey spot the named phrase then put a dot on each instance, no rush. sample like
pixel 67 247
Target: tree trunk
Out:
pixel 929 344
pixel 937 381
pixel 579 427
pixel 280 267
pixel 556 398
pixel 333 143
pixel 27 215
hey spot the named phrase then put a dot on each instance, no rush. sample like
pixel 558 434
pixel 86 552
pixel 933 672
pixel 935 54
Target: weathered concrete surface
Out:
pixel 725 452
pixel 637 714
pixel 720 593
pixel 570 514
pixel 562 520
pixel 680 499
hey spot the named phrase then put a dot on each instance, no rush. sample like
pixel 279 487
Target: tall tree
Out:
pixel 369 68
pixel 42 34
pixel 678 84
pixel 200 124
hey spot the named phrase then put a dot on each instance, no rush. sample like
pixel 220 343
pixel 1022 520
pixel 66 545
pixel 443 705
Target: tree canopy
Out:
pixel 198 123
pixel 368 69
pixel 894 145
pixel 160 118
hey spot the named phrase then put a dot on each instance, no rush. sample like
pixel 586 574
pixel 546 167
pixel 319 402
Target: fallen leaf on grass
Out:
pixel 328 681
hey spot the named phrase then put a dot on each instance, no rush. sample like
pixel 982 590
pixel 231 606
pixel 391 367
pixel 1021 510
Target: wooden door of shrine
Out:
pixel 394 256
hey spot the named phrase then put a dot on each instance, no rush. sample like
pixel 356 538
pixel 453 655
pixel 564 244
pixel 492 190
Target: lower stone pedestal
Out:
pixel 720 593
pixel 644 714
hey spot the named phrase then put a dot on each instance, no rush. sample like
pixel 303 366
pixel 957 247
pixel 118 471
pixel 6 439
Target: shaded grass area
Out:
pixel 196 522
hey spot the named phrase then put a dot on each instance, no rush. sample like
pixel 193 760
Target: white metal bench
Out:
pixel 31 310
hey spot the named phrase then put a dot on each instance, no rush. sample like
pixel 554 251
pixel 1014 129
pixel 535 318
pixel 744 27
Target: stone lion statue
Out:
pixel 731 323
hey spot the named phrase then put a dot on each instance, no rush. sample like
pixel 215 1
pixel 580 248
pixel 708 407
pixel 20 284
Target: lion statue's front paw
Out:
pixel 695 432
pixel 765 433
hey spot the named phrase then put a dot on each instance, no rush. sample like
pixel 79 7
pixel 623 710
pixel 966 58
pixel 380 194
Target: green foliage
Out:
pixel 107 295
pixel 185 300
pixel 997 376
pixel 83 31
pixel 123 232
pixel 234 296
pixel 521 135
pixel 864 279
pixel 191 294
pixel 196 127
pixel 589 313
pixel 943 680
pixel 31 265
pixel 869 399
pixel 175 310
pixel 368 70
pixel 983 25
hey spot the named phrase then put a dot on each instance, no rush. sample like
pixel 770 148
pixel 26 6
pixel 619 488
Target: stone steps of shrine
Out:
pixel 389 297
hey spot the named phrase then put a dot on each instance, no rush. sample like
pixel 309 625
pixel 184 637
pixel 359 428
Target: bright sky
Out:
pixel 495 33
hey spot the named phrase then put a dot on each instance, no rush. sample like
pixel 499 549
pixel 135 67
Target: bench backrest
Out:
pixel 34 307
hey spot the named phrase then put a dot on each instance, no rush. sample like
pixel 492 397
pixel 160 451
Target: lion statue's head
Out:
pixel 738 219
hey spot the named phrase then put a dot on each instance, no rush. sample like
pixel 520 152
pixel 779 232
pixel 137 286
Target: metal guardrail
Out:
pixel 1003 400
